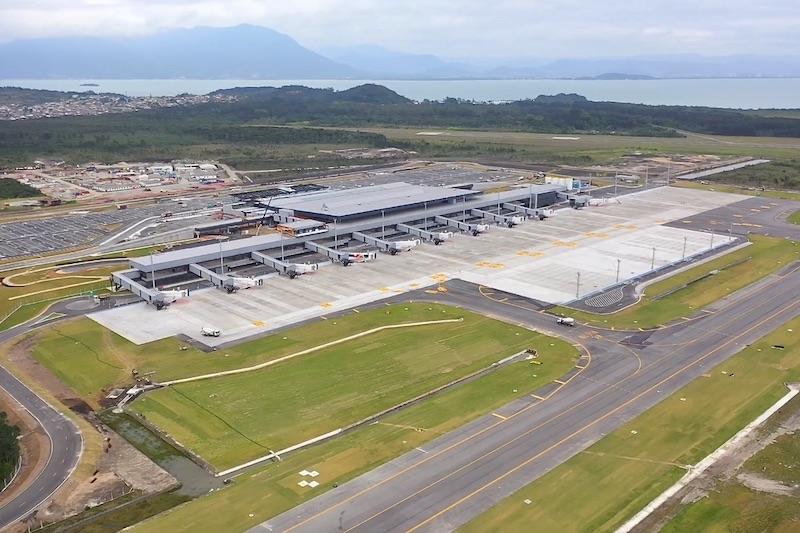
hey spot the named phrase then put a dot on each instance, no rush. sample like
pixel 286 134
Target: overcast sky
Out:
pixel 447 28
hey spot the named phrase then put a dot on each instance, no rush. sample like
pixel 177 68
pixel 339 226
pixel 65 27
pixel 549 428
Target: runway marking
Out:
pixel 587 426
pixel 420 449
pixel 581 367
pixel 503 300
pixel 501 417
pixel 456 444
pixel 323 317
pixel 356 311
pixel 537 397
pixel 560 382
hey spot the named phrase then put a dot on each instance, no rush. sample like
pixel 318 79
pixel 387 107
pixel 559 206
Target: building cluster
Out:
pixel 98 104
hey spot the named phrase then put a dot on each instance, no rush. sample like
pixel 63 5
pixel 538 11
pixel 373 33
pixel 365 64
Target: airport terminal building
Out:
pixel 340 226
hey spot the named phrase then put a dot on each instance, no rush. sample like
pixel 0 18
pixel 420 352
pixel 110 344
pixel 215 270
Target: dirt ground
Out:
pixel 723 470
pixel 120 469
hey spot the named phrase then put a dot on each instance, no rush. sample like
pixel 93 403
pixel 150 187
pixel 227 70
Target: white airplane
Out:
pixel 162 299
pixel 403 246
pixel 233 283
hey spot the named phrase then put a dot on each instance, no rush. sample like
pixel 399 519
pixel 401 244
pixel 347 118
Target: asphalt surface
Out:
pixel 462 474
pixel 66 441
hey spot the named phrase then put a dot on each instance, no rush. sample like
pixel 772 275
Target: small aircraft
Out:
pixel 162 299
pixel 299 269
pixel 403 246
pixel 233 283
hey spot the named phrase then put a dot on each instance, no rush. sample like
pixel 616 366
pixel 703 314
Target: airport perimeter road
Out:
pixel 66 441
pixel 458 476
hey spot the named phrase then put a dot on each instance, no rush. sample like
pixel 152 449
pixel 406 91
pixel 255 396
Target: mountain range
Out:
pixel 253 52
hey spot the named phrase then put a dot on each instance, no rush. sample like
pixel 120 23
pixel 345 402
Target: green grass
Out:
pixel 794 218
pixel 768 255
pixel 232 419
pixel 612 480
pixel 120 518
pixel 733 507
pixel 273 489
pixel 779 461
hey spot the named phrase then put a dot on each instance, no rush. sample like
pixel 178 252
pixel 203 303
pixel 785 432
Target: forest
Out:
pixel 11 188
pixel 9 447
pixel 266 121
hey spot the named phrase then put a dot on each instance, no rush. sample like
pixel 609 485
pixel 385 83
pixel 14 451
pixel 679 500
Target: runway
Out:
pixel 464 473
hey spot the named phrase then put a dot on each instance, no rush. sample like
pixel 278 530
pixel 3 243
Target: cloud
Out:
pixel 482 28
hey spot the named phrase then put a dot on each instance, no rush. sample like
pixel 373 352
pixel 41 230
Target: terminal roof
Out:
pixel 350 202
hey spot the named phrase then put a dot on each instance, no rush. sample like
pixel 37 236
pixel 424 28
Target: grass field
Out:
pixel 767 255
pixel 95 359
pixel 794 218
pixel 612 480
pixel 734 507
pixel 257 496
pixel 232 419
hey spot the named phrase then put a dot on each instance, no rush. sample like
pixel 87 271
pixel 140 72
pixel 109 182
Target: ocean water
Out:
pixel 750 93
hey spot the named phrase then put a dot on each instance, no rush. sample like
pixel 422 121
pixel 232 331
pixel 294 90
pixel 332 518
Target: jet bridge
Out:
pixel 474 229
pixel 393 247
pixel 436 237
pixel 208 275
pixel 290 269
pixel 332 253
pixel 127 279
pixel 508 220
pixel 538 213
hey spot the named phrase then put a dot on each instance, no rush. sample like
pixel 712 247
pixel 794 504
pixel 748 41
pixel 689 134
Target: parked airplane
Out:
pixel 162 299
pixel 233 284
pixel 403 246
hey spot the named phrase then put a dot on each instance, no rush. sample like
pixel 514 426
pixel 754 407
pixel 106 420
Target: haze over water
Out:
pixel 740 93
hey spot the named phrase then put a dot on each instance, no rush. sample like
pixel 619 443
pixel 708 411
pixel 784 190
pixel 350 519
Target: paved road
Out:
pixel 464 473
pixel 66 441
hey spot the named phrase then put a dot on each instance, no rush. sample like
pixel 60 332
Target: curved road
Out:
pixel 66 441
pixel 462 474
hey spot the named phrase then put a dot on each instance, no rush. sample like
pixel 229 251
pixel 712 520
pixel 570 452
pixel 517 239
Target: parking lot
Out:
pixel 35 237
pixel 537 259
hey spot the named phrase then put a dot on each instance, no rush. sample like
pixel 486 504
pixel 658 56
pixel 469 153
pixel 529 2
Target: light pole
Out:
pixel 653 261
pixel 578 286
pixel 281 246
pixel 712 239
pixel 426 214
pixel 383 222
pixel 221 264
pixel 618 263
pixel 684 248
pixel 646 171
pixel 616 180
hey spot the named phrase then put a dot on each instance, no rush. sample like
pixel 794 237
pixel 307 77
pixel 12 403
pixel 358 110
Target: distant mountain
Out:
pixel 240 52
pixel 254 52
pixel 384 63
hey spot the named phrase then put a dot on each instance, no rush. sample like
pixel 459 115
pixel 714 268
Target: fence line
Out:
pixel 9 481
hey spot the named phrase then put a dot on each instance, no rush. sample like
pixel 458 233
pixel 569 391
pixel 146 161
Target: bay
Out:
pixel 736 93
